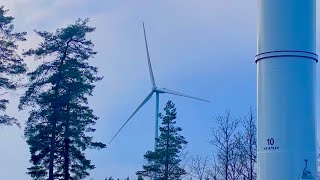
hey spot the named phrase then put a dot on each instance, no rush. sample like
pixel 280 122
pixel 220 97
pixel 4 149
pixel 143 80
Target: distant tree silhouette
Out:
pixel 140 177
pixel 249 145
pixel 111 178
pixel 164 162
pixel 11 64
pixel 236 148
pixel 227 142
pixel 199 166
pixel 318 161
pixel 213 170
pixel 58 126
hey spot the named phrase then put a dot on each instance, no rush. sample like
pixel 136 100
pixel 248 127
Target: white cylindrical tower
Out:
pixel 286 69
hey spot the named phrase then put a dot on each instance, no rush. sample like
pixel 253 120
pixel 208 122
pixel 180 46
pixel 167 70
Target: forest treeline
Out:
pixel 234 154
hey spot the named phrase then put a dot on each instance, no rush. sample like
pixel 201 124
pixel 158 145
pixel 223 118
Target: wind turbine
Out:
pixel 154 90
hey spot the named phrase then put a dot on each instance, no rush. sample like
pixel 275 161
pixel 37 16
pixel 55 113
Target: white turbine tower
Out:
pixel 155 90
pixel 286 90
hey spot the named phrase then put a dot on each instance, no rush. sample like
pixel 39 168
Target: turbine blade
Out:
pixel 148 56
pixel 164 90
pixel 139 107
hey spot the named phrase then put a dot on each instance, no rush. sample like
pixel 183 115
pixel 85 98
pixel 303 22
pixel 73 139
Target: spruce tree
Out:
pixel 164 162
pixel 60 120
pixel 11 64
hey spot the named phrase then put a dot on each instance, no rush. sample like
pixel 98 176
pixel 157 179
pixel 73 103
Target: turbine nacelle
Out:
pixel 158 90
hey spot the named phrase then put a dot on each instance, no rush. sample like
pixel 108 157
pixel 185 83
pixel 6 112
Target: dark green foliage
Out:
pixel 164 162
pixel 58 126
pixel 11 64
pixel 140 177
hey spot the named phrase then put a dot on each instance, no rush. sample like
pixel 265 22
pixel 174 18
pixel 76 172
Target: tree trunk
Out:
pixel 227 158
pixel 55 111
pixel 66 147
pixel 53 135
pixel 251 153
pixel 52 147
pixel 167 155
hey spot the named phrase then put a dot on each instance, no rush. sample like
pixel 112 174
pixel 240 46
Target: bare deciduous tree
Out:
pixel 198 166
pixel 213 171
pixel 238 159
pixel 249 145
pixel 226 142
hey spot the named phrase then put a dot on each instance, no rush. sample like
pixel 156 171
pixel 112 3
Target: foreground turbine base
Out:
pixel 286 118
pixel 286 90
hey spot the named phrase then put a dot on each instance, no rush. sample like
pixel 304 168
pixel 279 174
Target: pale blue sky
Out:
pixel 204 48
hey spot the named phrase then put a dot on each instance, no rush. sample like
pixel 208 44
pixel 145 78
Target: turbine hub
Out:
pixel 155 89
pixel 159 90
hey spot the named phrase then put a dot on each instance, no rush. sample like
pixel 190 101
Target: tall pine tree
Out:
pixel 164 162
pixel 60 120
pixel 11 64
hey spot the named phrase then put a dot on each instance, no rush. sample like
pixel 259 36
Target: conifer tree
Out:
pixel 58 126
pixel 11 64
pixel 164 162
pixel 140 177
